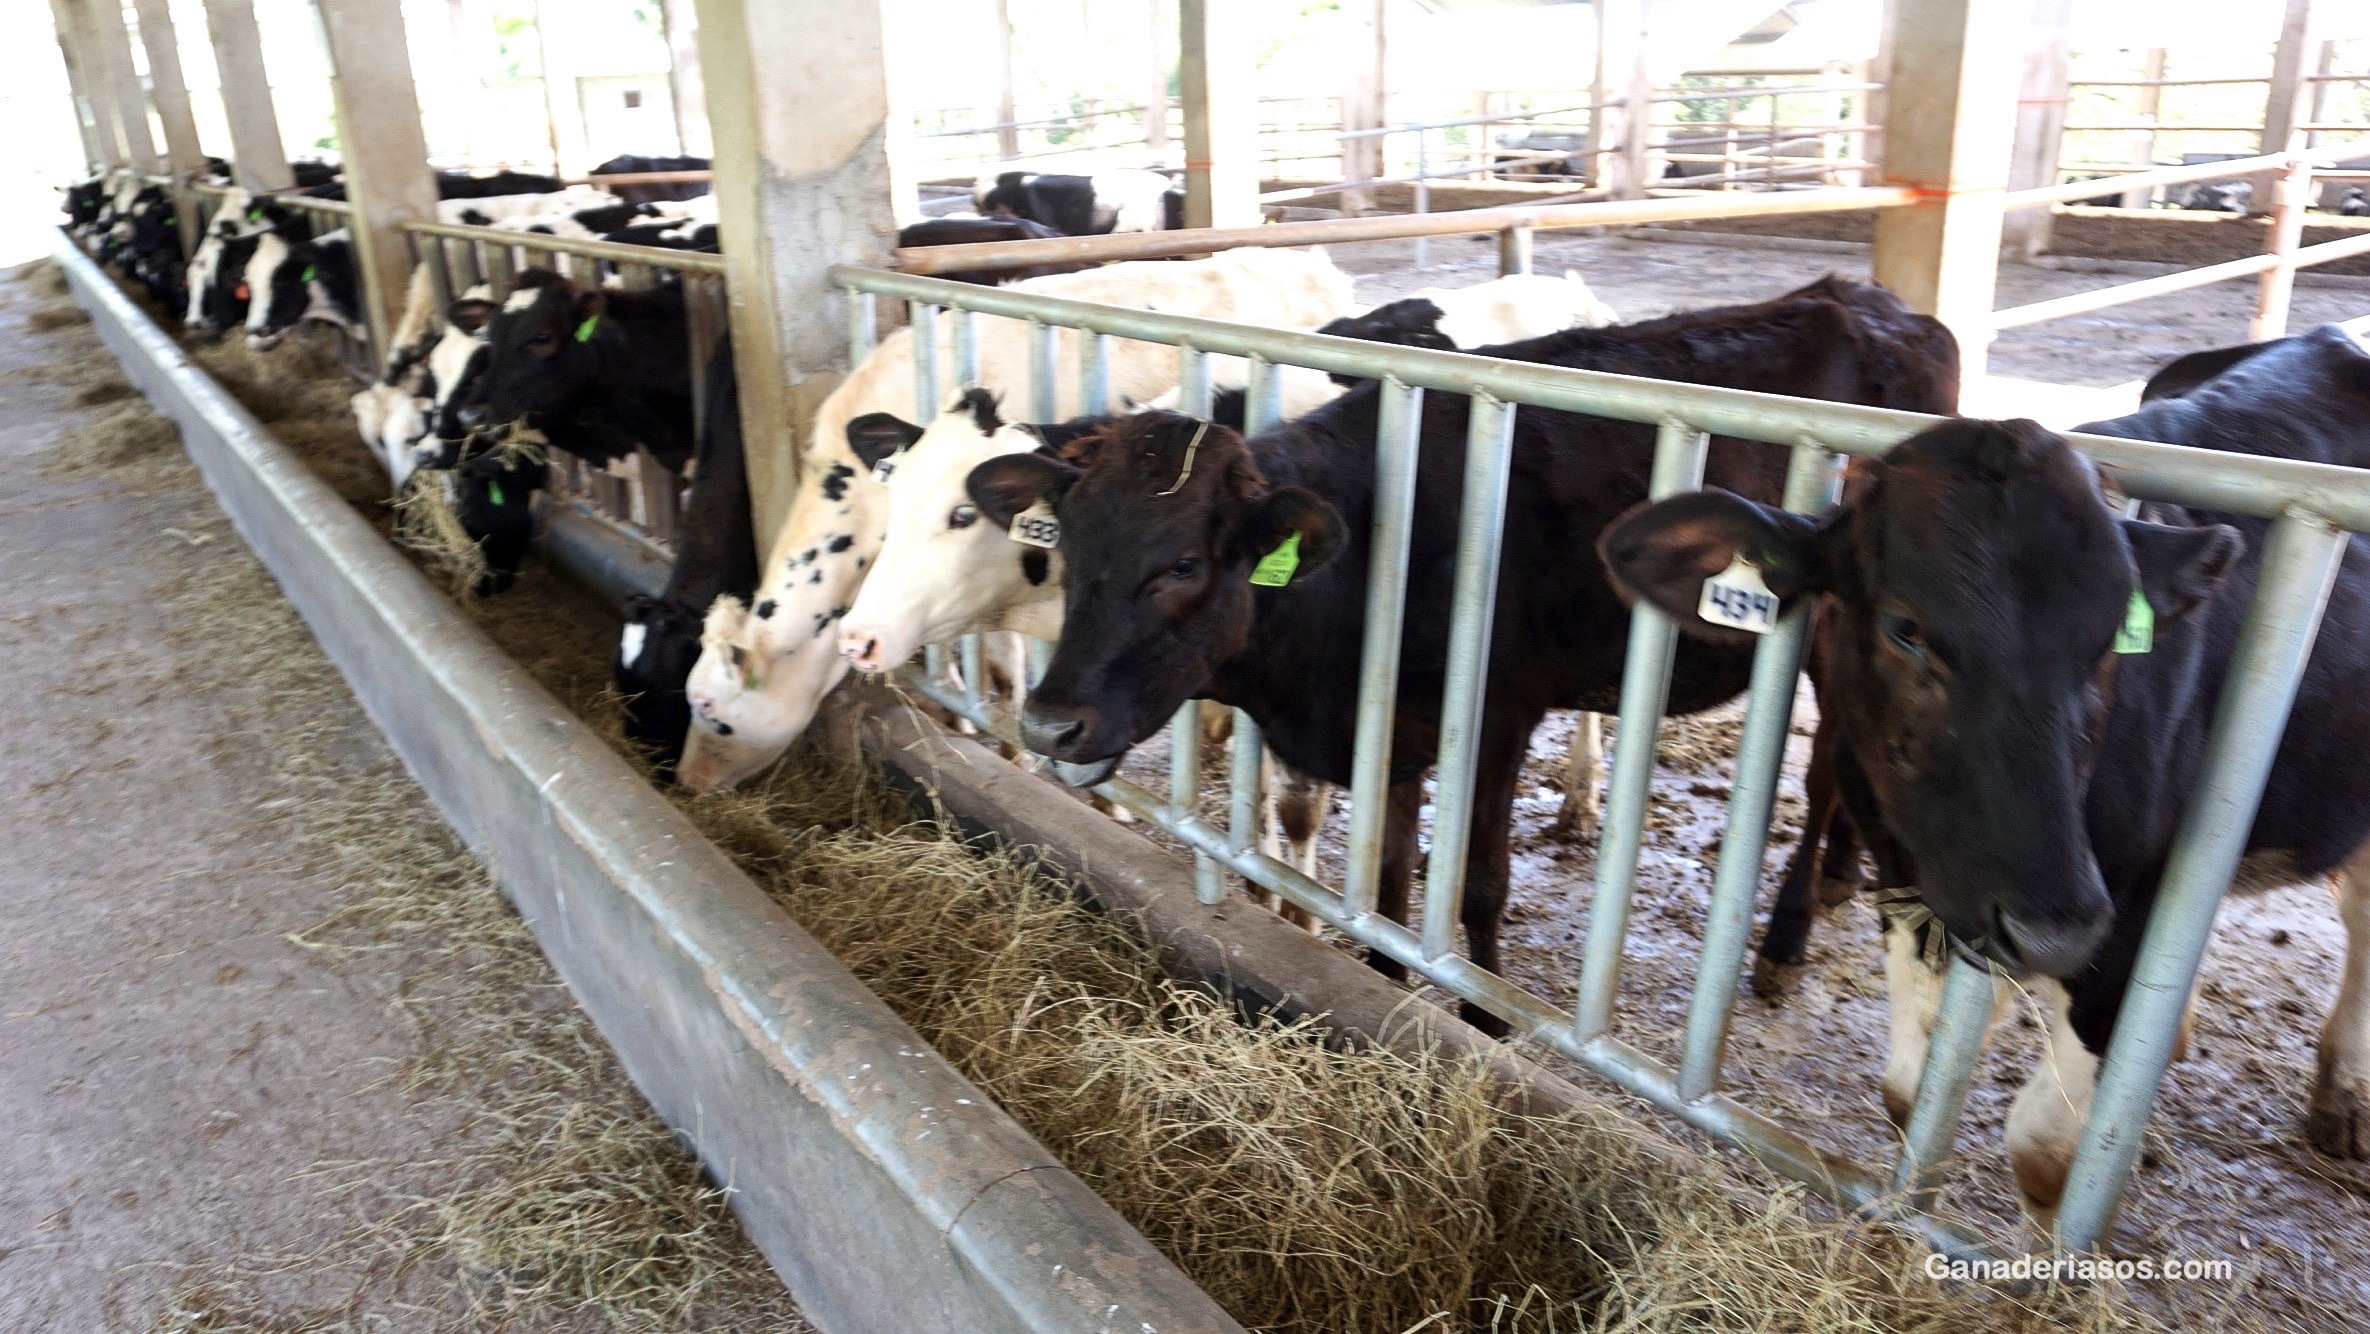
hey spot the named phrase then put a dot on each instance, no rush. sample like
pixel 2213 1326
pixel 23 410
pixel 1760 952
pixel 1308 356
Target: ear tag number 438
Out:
pixel 1037 527
pixel 1736 598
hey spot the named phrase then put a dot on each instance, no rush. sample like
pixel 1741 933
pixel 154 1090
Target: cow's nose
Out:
pixel 475 417
pixel 2051 947
pixel 1054 729
pixel 861 648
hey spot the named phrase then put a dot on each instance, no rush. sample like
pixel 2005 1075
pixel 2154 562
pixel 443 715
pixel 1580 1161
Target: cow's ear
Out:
pixel 590 303
pixel 2180 567
pixel 1009 483
pixel 876 435
pixel 1266 537
pixel 1663 552
pixel 471 314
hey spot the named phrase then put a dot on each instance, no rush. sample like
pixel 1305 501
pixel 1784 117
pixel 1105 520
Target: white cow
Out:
pixel 764 668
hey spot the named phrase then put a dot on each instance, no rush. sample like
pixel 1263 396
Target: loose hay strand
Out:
pixel 427 523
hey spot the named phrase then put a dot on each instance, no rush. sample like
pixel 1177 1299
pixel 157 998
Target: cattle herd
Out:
pixel 2015 673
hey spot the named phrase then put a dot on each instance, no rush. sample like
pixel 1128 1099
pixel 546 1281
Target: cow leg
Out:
pixel 1291 808
pixel 1785 942
pixel 1584 768
pixel 2045 1124
pixel 1400 816
pixel 1486 859
pixel 1840 880
pixel 2337 1120
pixel 1913 992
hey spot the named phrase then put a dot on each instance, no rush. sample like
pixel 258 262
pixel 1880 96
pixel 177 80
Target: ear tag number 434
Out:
pixel 1736 598
pixel 1037 527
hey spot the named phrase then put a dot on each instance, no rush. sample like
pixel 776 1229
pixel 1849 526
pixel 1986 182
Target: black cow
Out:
pixel 981 231
pixel 596 371
pixel 1159 607
pixel 652 192
pixel 83 202
pixel 2026 682
pixel 305 173
pixel 493 495
pixel 1407 322
pixel 671 234
pixel 1124 201
pixel 457 185
pixel 289 281
pixel 2355 203
pixel 715 555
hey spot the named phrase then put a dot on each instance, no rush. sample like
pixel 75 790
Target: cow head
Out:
pixel 1980 587
pixel 754 689
pixel 655 653
pixel 280 280
pixel 455 378
pixel 943 570
pixel 1162 519
pixel 1410 322
pixel 538 341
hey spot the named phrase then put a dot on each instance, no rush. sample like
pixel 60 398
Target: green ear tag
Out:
pixel 584 331
pixel 1274 569
pixel 310 273
pixel 2138 634
pixel 494 492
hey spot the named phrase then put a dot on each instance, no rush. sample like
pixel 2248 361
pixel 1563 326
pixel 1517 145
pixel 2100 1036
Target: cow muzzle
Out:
pixel 1058 731
pixel 2046 947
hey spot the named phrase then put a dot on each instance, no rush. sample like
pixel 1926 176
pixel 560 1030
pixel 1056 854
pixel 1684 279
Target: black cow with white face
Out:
pixel 292 280
pixel 2025 681
pixel 597 371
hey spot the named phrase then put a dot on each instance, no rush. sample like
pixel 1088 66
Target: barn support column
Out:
pixel 1221 113
pixel 684 81
pixel 1156 86
pixel 563 100
pixel 97 148
pixel 2289 103
pixel 1007 105
pixel 2151 99
pixel 1365 103
pixel 171 96
pixel 806 178
pixel 1619 134
pixel 119 83
pixel 1947 133
pixel 2040 122
pixel 385 150
pixel 255 146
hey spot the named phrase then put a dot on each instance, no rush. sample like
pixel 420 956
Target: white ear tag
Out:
pixel 1036 526
pixel 1736 598
pixel 882 469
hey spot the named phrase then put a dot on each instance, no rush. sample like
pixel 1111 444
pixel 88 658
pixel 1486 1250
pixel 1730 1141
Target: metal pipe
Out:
pixel 1263 396
pixel 1094 374
pixel 974 686
pixel 1679 454
pixel 1395 450
pixel 1489 458
pixel 1960 1024
pixel 1242 785
pixel 1193 380
pixel 924 317
pixel 864 326
pixel 689 261
pixel 1514 251
pixel 967 347
pixel 1811 484
pixel 1044 393
pixel 2082 303
pixel 1185 793
pixel 2300 560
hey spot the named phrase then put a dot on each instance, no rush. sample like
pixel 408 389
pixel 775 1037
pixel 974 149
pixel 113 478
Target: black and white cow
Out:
pixel 653 192
pixel 983 231
pixel 598 372
pixel 292 280
pixel 1108 201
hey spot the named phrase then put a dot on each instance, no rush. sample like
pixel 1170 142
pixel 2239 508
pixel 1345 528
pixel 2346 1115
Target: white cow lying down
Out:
pixel 764 667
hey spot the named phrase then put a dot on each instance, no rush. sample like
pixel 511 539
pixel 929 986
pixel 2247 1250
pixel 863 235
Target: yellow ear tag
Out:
pixel 1275 569
pixel 2138 634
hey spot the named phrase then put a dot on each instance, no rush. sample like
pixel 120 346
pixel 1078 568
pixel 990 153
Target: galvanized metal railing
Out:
pixel 648 499
pixel 2313 507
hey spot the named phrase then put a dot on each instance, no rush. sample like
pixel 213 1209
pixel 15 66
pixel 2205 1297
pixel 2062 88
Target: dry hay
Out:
pixel 427 525
pixel 300 391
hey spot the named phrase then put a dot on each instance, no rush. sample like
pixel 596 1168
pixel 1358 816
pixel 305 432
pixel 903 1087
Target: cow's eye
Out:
pixel 540 340
pixel 962 516
pixel 1185 568
pixel 1906 635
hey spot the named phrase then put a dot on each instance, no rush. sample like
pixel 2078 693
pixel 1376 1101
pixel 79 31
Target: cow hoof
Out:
pixel 1483 1020
pixel 1572 827
pixel 1834 893
pixel 1774 981
pixel 2337 1121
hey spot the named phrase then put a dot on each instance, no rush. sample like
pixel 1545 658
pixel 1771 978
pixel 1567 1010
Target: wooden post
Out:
pixel 806 178
pixel 385 150
pixel 256 151
pixel 2150 103
pixel 1221 119
pixel 97 146
pixel 1947 134
pixel 171 96
pixel 2293 192
pixel 2040 122
pixel 1363 100
pixel 563 99
pixel 684 80
pixel 1156 91
pixel 119 82
pixel 1007 107
pixel 1619 134
pixel 2290 99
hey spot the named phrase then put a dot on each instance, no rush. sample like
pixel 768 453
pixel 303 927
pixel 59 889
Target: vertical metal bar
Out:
pixel 1193 380
pixel 1185 792
pixel 863 326
pixel 1378 661
pixel 1044 400
pixel 974 688
pixel 1423 195
pixel 934 661
pixel 925 362
pixel 1679 451
pixel 1040 657
pixel 1514 251
pixel 1489 454
pixel 1959 1025
pixel 966 346
pixel 2299 563
pixel 1242 777
pixel 1263 396
pixel 1094 373
pixel 1777 662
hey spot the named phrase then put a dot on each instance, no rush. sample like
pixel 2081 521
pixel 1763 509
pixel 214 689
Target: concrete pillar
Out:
pixel 1365 99
pixel 2040 121
pixel 2151 100
pixel 1948 119
pixel 1007 104
pixel 684 80
pixel 119 83
pixel 1221 113
pixel 1620 134
pixel 255 146
pixel 385 149
pixel 97 138
pixel 1156 87
pixel 171 97
pixel 2290 100
pixel 806 177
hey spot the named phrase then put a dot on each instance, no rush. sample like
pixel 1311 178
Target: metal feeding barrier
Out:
pixel 2313 508
pixel 644 498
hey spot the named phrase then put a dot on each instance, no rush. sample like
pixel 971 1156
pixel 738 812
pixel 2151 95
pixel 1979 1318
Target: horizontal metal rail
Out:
pixel 1337 231
pixel 2082 303
pixel 616 252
